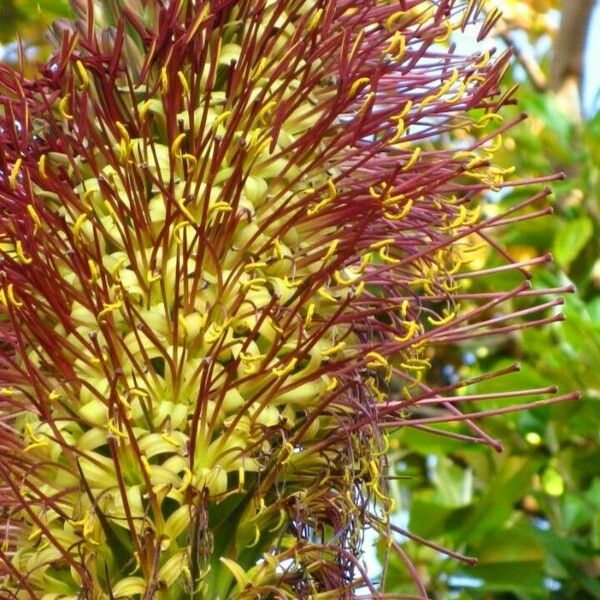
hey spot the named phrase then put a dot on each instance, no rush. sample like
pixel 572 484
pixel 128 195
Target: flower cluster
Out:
pixel 229 240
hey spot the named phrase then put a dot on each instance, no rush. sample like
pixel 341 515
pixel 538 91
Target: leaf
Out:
pixel 571 240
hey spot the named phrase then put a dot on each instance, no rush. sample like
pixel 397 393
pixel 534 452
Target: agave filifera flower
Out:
pixel 226 233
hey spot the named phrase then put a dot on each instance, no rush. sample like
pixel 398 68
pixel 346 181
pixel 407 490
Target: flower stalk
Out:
pixel 230 241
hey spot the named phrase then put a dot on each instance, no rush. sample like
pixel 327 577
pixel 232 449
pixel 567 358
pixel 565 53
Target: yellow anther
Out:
pixel 332 384
pixel 411 329
pixel 151 276
pixel 333 350
pixel 36 533
pixel 464 154
pixel 94 272
pixel 111 211
pixel 291 284
pixel 393 18
pixel 164 80
pixel 170 440
pixel 404 308
pixel 309 315
pixel 191 159
pixel 265 111
pixel 332 189
pixel 31 433
pixel 487 118
pixel 184 84
pixel 62 107
pixel 139 393
pixel 459 94
pixel 315 20
pixel 81 219
pixel 186 480
pixel 416 364
pixel 144 108
pixel 375 390
pixel 413 159
pixel 400 215
pixel 108 308
pixel 485 59
pixel 381 243
pixel 356 44
pixel 21 255
pixel 449 83
pixel 374 193
pixel 185 211
pixel 442 321
pixel 241 479
pixel 8 391
pixel 14 173
pixel 221 118
pixel 10 293
pixel 446 35
pixel 54 395
pixel 254 284
pixel 397 42
pixel 342 280
pixel 260 68
pixel 221 206
pixel 176 230
pixel 34 216
pixel 315 208
pixel 83 75
pixel 118 266
pixel 367 103
pixel 177 143
pixel 360 82
pixel 255 265
pixel 283 371
pixel 42 166
pixel 409 104
pixel 400 129
pixel 114 429
pixel 376 360
pixel 360 288
pixel 326 295
pixel 386 257
pixel 258 150
pixel 332 248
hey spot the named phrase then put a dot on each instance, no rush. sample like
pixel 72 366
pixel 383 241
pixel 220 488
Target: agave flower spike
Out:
pixel 229 241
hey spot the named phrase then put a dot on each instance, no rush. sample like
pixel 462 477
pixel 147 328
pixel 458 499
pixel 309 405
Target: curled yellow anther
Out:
pixel 220 119
pixel 42 166
pixel 94 272
pixel 164 80
pixel 446 35
pixel 381 243
pixel 413 159
pixel 108 308
pixel 309 315
pixel 10 293
pixel 26 260
pixel 283 371
pixel 333 350
pixel 14 173
pixel 83 75
pixel 360 82
pixel 62 107
pixel 184 84
pixel 177 143
pixel 386 257
pixel 81 219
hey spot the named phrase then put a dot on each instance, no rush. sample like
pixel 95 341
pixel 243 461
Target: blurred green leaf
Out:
pixel 571 240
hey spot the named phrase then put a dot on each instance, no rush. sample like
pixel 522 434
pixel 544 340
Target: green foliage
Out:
pixel 532 513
